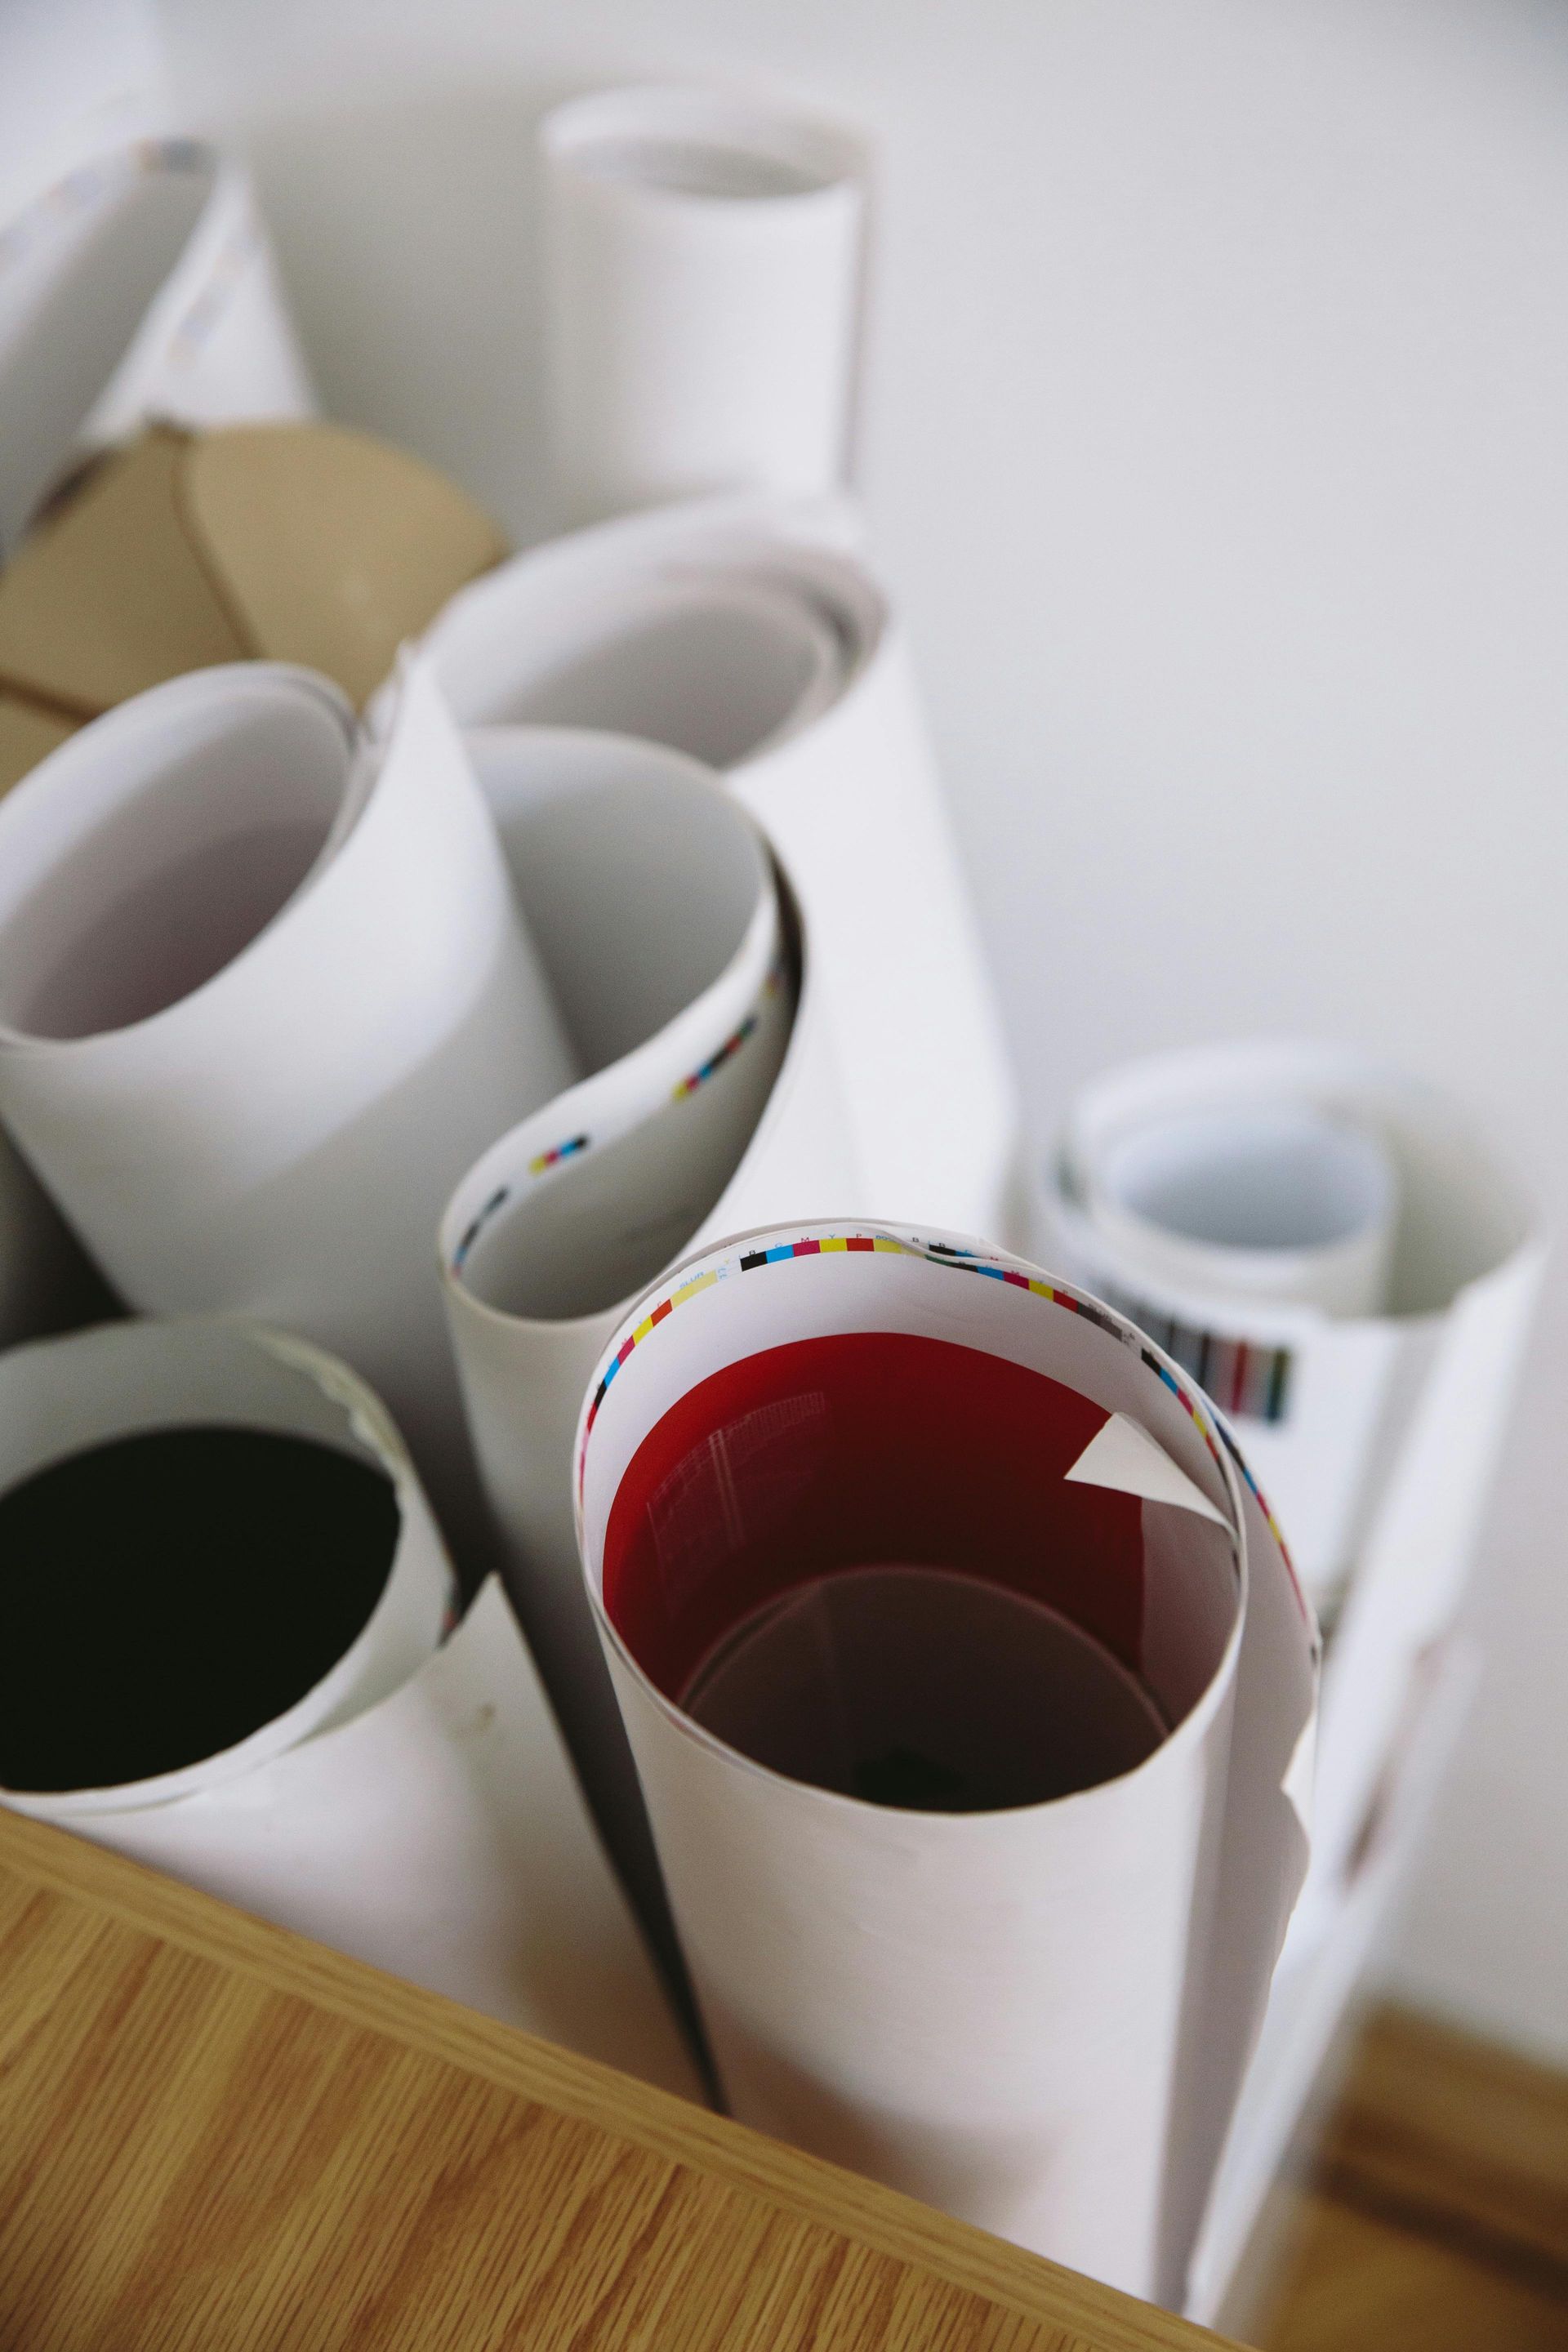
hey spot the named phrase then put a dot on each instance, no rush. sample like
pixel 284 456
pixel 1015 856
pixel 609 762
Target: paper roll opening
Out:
pixel 166 1593
pixel 212 1547
pixel 697 144
pixel 1258 1178
pixel 867 1455
pixel 711 666
pixel 637 879
pixel 175 853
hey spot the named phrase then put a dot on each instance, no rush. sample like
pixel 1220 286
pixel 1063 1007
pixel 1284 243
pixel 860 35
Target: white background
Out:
pixel 1216 440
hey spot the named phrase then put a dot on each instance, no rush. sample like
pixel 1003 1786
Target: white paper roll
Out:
pixel 750 634
pixel 140 287
pixel 702 280
pixel 1037 2015
pixel 1271 1201
pixel 415 1807
pixel 1376 1433
pixel 262 998
pixel 710 1101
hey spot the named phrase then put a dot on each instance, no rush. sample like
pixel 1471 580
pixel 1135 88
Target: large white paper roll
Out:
pixel 1377 1433
pixel 263 996
pixel 710 1101
pixel 749 633
pixel 1035 2013
pixel 142 287
pixel 703 279
pixel 415 1807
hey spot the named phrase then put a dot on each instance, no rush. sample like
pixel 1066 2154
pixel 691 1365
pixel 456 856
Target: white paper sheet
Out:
pixel 417 1809
pixel 702 277
pixel 1375 1436
pixel 262 998
pixel 1036 2017
pixel 710 1099
pixel 140 287
pixel 749 633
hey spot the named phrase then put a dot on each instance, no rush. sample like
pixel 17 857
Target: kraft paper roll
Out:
pixel 702 278
pixel 1036 2015
pixel 264 992
pixel 140 287
pixel 750 634
pixel 415 1807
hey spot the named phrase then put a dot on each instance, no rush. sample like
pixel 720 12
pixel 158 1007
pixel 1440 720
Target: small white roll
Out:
pixel 142 287
pixel 415 1807
pixel 263 995
pixel 704 270
pixel 1277 1203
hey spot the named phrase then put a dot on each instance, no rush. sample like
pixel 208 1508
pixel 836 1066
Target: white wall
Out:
pixel 1216 443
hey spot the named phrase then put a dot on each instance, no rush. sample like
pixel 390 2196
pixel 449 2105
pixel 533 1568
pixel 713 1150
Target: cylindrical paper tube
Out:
pixel 1271 1202
pixel 970 1688
pixel 142 286
pixel 261 1000
pixel 750 634
pixel 710 1099
pixel 1374 1422
pixel 703 271
pixel 218 1562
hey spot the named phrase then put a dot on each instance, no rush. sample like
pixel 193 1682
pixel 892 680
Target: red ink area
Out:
pixel 862 1448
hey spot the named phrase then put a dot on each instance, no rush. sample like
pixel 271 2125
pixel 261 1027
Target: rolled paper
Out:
pixel 704 270
pixel 1375 1425
pixel 263 995
pixel 405 1797
pixel 971 1691
pixel 686 987
pixel 143 286
pixel 750 634
pixel 1266 1200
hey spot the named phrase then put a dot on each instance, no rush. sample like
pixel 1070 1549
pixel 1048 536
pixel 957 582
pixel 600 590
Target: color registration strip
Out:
pixel 1214 1433
pixel 1245 1376
pixel 730 1046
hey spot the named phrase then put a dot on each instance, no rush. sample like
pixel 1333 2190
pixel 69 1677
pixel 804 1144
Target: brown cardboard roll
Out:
pixel 306 543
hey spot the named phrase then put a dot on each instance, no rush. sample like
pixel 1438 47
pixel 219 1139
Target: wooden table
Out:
pixel 216 2135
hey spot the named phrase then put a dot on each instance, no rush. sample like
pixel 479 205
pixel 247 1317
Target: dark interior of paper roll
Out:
pixel 857 1559
pixel 164 1595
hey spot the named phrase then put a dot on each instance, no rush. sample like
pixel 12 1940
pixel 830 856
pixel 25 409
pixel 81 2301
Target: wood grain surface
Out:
pixel 1436 2215
pixel 215 2134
